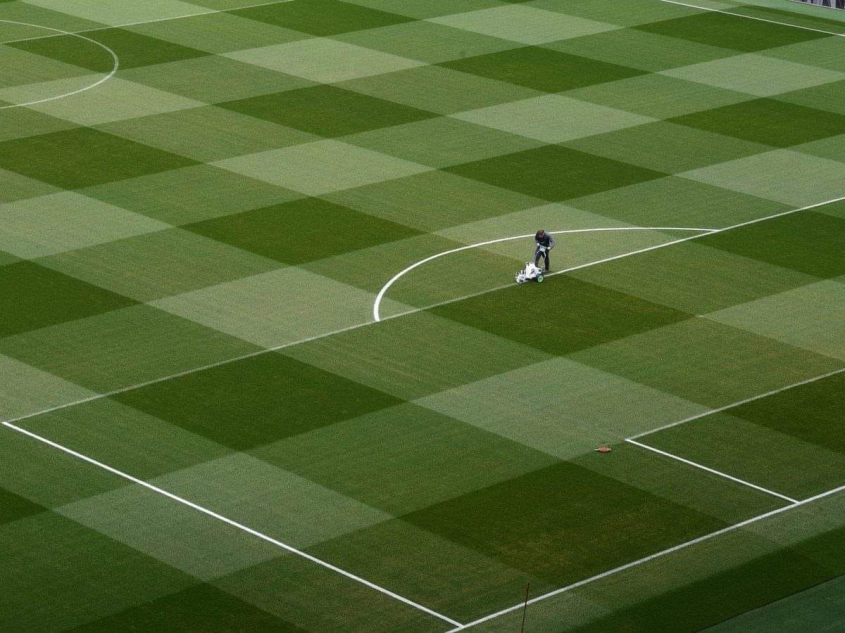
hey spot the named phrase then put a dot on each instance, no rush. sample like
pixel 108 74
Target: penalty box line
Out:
pixel 231 522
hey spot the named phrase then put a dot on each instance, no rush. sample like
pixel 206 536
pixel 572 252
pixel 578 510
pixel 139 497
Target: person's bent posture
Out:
pixel 545 242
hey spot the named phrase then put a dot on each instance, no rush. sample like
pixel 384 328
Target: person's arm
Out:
pixel 551 241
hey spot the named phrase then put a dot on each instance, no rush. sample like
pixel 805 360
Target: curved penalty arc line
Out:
pixel 399 275
pixel 102 80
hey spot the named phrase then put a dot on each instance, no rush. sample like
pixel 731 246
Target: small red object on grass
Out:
pixel 603 449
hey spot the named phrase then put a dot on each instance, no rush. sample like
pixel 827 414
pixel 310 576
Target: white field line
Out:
pixel 155 21
pixel 738 404
pixel 651 557
pixel 751 17
pixel 703 233
pixel 399 275
pixel 712 471
pixel 109 75
pixel 234 524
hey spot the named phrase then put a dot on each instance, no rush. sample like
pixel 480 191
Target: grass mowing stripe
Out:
pixel 750 17
pixel 416 310
pixel 733 405
pixel 647 559
pixel 230 522
pixel 712 470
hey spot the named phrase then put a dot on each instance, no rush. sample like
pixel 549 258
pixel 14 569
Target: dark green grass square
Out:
pixel 201 608
pixel 302 231
pixel 555 173
pixel 327 111
pixel 571 315
pixel 767 121
pixel 543 69
pixel 256 401
pixel 322 17
pixel 84 157
pixel 14 507
pixel 563 523
pixel 134 50
pixel 725 31
pixel 809 242
pixel 812 413
pixel 35 297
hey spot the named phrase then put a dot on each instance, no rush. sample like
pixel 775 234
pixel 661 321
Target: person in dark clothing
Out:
pixel 544 243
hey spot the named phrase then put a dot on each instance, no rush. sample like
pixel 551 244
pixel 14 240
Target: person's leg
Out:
pixel 548 263
pixel 537 255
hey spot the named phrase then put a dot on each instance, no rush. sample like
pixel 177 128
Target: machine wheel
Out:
pixel 540 278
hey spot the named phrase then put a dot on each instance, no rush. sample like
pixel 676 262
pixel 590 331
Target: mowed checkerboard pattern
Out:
pixel 236 195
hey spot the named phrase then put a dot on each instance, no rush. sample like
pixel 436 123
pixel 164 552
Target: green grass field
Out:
pixel 233 397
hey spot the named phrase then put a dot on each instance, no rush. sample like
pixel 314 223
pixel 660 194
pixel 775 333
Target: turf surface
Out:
pixel 190 253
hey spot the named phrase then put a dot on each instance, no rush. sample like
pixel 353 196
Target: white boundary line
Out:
pixel 398 276
pixel 122 26
pixel 751 17
pixel 738 404
pixel 115 66
pixel 234 524
pixel 649 558
pixel 712 471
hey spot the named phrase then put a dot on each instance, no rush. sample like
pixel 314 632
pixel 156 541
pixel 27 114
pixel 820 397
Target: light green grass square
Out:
pixel 16 187
pixel 208 134
pixel 590 407
pixel 116 100
pixel 322 167
pixel 123 348
pixel 160 264
pixel 170 532
pixel 694 278
pixel 628 13
pixel 441 142
pixel 419 457
pixel 782 175
pixel 24 390
pixel 639 49
pixel 21 68
pixel 427 41
pixel 524 24
pixel 275 308
pixel 756 74
pixel 192 194
pixel 218 33
pixel 116 12
pixel 755 453
pixel 22 122
pixel 324 60
pixel 658 96
pixel 553 118
pixel 213 79
pixel 433 200
pixel 425 8
pixel 676 201
pixel 125 438
pixel 821 53
pixel 415 355
pixel 45 93
pixel 281 504
pixel 439 89
pixel 667 147
pixel 66 221
pixel 809 317
pixel 705 362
